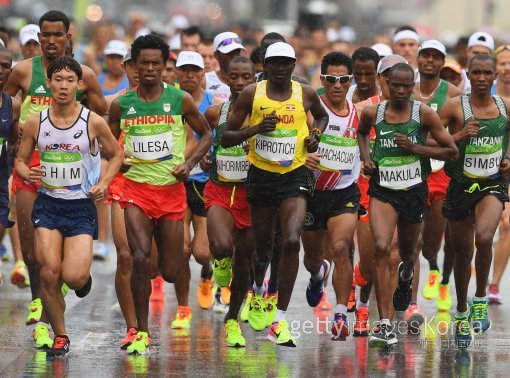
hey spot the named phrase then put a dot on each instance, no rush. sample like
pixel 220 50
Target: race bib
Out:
pixel 62 169
pixel 399 173
pixel 149 144
pixel 277 147
pixel 337 153
pixel 436 165
pixel 232 164
pixel 482 161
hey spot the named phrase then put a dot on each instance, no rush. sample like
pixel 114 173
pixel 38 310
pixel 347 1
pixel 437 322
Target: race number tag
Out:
pixel 277 147
pixel 232 164
pixel 482 161
pixel 62 169
pixel 399 173
pixel 149 144
pixel 337 153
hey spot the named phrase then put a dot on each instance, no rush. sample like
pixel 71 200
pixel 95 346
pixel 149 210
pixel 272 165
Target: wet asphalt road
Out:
pixel 95 327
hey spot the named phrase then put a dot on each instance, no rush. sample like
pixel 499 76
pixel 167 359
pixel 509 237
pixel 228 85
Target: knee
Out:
pixel 141 258
pixel 382 248
pixel 170 275
pixel 483 241
pixel 124 259
pixel 291 244
pixel 220 249
pixel 340 249
pixel 203 257
pixel 50 276
pixel 75 280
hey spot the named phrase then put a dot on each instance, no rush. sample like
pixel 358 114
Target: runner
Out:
pixel 478 189
pixel 29 41
pixel 114 79
pixel 278 182
pixel 228 222
pixel 365 61
pixel 332 212
pixel 398 190
pixel 64 215
pixel 452 72
pixel 478 43
pixel 406 43
pixel 29 77
pixel 153 196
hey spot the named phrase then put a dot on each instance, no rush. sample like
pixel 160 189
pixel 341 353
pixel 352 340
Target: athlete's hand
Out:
pixel 181 172
pixel 97 192
pixel 312 160
pixel 268 123
pixel 126 164
pixel 470 129
pixel 403 142
pixel 369 168
pixel 36 174
pixel 246 147
pixel 504 167
pixel 205 162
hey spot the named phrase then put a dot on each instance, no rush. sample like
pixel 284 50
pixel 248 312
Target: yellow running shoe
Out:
pixel 41 336
pixel 222 270
pixel 270 301
pixel 280 334
pixel 225 295
pixel 257 313
pixel 34 311
pixel 234 335
pixel 444 299
pixel 140 344
pixel 246 308
pixel 431 289
pixel 205 294
pixel 183 318
pixel 19 276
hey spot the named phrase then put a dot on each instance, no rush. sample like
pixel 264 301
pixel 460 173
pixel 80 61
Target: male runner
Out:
pixel 29 41
pixel 406 43
pixel 153 119
pixel 228 212
pixel 278 182
pixel 398 190
pixel 365 61
pixel 64 215
pixel 478 189
pixel 29 77
pixel 478 43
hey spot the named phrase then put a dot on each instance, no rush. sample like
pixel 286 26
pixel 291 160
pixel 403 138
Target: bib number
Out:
pixel 337 153
pixel 149 144
pixel 62 169
pixel 232 164
pixel 277 147
pixel 482 161
pixel 399 173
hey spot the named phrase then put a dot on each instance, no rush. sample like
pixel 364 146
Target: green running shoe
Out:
pixel 41 336
pixel 222 270
pixel 257 313
pixel 234 335
pixel 34 311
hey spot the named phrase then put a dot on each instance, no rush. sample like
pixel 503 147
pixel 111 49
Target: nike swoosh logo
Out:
pixel 481 128
pixel 386 132
pixel 265 107
pixel 4 120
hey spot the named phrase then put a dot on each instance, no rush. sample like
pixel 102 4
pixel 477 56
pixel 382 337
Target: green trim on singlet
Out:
pixel 440 96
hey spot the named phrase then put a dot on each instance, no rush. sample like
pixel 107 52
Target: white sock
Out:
pixel 341 309
pixel 43 324
pixel 459 314
pixel 259 290
pixel 361 304
pixel 319 276
pixel 479 299
pixel 386 321
pixel 280 315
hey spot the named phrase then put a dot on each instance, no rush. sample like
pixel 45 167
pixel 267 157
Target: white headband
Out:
pixel 406 34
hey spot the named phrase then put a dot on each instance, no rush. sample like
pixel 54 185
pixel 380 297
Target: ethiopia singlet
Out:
pixel 71 166
pixel 283 149
pixel 398 169
pixel 436 103
pixel 155 135
pixel 480 156
pixel 340 160
pixel 229 165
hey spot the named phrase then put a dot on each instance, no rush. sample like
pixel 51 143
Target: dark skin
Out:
pixel 292 210
pixel 482 226
pixel 169 234
pixel 365 72
pixel 383 217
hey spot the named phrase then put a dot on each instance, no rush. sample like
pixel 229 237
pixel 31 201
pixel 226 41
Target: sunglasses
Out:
pixel 229 41
pixel 332 79
pixel 501 48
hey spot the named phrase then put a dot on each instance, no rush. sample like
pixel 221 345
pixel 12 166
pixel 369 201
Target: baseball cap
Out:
pixel 116 47
pixel 481 39
pixel 453 65
pixel 190 58
pixel 227 42
pixel 382 49
pixel 433 44
pixel 29 32
pixel 127 57
pixel 389 61
pixel 280 49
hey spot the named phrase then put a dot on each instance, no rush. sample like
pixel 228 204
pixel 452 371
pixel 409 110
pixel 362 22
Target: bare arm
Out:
pixel 27 146
pixel 95 98
pixel 366 122
pixel 320 118
pixel 13 85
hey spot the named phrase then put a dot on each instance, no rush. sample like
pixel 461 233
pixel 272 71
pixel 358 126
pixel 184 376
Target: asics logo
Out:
pixel 78 134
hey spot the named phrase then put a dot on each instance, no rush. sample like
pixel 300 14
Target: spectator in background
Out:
pixel 29 41
pixel 93 56
pixel 137 24
pixel 114 79
pixel 321 47
pixel 451 72
pixel 191 38
pixel 169 75
pixel 178 23
pixel 206 49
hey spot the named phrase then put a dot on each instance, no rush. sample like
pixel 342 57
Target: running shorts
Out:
pixel 364 199
pixel 116 189
pixel 437 182
pixel 19 183
pixel 195 197
pixel 230 197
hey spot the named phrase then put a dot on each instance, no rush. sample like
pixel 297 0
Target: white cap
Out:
pixel 29 32
pixel 190 58
pixel 433 44
pixel 179 22
pixel 389 61
pixel 116 47
pixel 481 39
pixel 280 49
pixel 382 49
pixel 227 42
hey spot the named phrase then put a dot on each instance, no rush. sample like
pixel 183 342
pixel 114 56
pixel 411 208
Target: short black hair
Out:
pixel 255 55
pixel 405 27
pixel 482 58
pixel 364 54
pixel 55 16
pixel 149 41
pixel 65 63
pixel 336 58
pixel 242 59
pixel 274 37
pixel 192 30
pixel 402 67
pixel 4 49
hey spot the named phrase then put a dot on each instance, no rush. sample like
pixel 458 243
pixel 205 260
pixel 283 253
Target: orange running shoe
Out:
pixel 128 339
pixel 358 277
pixel 361 325
pixel 351 305
pixel 19 276
pixel 158 289
pixel 205 293
pixel 225 295
pixel 324 304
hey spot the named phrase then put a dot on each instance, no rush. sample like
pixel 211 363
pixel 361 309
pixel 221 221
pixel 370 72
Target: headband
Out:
pixel 406 34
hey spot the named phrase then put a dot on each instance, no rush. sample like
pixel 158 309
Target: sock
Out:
pixel 461 314
pixel 386 322
pixel 479 299
pixel 206 272
pixel 280 315
pixel 341 309
pixel 361 304
pixel 42 324
pixel 259 290
pixel 320 275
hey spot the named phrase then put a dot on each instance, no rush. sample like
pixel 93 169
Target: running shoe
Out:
pixel 140 344
pixel 403 292
pixel 101 251
pixel 158 289
pixel 382 336
pixel 60 347
pixel 444 299
pixel 219 307
pixel 129 338
pixel 431 289
pixel 246 308
pixel 85 290
pixel 234 335
pixel 270 302
pixel 316 288
pixel 257 313
pixel 280 334
pixel 324 304
pixel 340 329
pixel 361 324
pixel 205 293
pixel 463 336
pixel 479 311
pixel 351 303
pixel 414 319
pixel 41 336
pixel 225 294
pixel 222 270
pixel 34 311
pixel 443 321
pixel 183 318
pixel 19 276
pixel 358 278
pixel 493 296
